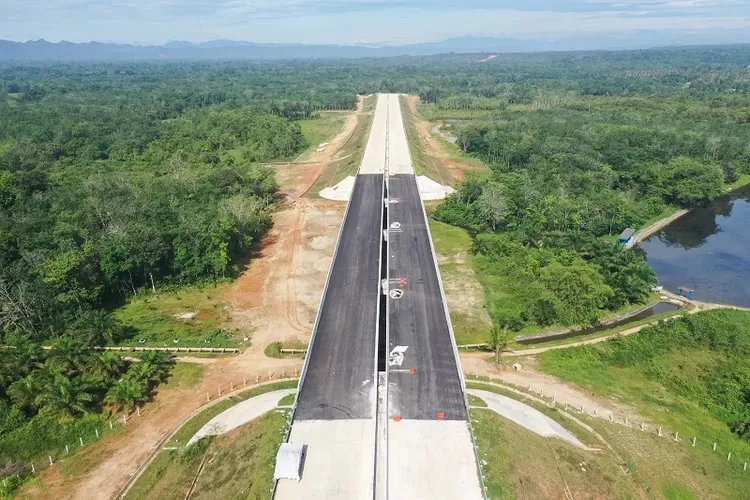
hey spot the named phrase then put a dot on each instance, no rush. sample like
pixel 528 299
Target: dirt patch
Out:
pixel 280 293
pixel 204 316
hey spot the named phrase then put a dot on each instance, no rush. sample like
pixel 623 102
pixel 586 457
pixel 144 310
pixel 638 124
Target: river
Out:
pixel 707 249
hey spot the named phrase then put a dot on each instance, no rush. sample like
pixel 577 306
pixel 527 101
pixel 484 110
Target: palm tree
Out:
pixel 68 395
pixel 106 366
pixel 126 394
pixel 69 354
pixel 143 373
pixel 97 328
pixel 498 341
pixel 23 392
pixel 159 363
pixel 18 362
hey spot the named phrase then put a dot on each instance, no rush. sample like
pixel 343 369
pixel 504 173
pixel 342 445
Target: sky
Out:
pixel 369 21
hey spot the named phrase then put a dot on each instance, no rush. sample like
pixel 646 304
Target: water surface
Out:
pixel 658 308
pixel 708 250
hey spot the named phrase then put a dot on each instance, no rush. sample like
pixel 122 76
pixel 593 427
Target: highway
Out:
pixel 340 379
pixel 394 427
pixel 417 320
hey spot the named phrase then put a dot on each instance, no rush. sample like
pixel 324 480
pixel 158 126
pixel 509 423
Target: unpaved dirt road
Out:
pixel 278 296
pixel 297 177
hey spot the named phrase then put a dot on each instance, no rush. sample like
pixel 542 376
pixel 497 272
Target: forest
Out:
pixel 569 172
pixel 119 179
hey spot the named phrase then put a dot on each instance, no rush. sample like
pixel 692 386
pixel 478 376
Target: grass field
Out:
pixel 351 153
pixel 656 467
pixel 236 465
pixel 184 376
pixel 521 464
pixel 471 323
pixel 684 384
pixel 195 316
pixel 321 129
pixel 250 449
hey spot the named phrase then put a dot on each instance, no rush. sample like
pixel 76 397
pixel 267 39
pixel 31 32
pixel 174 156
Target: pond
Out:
pixel 708 250
pixel 658 308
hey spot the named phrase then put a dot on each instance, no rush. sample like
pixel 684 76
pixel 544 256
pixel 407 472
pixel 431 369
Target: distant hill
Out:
pixel 228 49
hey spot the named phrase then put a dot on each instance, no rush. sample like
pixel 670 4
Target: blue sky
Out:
pixel 368 21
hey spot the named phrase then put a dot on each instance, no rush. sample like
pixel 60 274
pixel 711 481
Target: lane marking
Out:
pixel 396 357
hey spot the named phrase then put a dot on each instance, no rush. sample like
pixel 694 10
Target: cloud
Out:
pixel 346 21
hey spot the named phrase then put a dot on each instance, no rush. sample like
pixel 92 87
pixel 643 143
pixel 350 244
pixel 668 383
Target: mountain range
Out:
pixel 229 49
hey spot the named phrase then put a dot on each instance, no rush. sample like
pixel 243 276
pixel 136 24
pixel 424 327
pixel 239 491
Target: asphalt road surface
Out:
pixel 340 381
pixel 417 319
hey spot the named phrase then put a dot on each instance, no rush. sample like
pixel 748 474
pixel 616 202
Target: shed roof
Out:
pixel 627 234
pixel 289 461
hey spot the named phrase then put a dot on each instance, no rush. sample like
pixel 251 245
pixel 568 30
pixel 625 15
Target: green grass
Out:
pixel 665 468
pixel 241 463
pixel 676 492
pixel 743 181
pixel 155 318
pixel 185 375
pixel 521 464
pixel 669 375
pixel 471 324
pixel 237 465
pixel 273 350
pixel 287 400
pixel 323 128
pixel 252 448
pixel 475 401
pixel 351 153
pixel 658 466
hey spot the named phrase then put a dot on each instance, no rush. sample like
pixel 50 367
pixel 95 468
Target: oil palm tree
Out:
pixel 69 355
pixel 159 363
pixel 105 367
pixel 126 394
pixel 23 392
pixel 64 394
